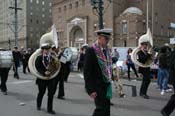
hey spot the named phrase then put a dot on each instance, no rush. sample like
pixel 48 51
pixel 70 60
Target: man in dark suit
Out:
pixel 98 73
pixel 143 56
pixel 42 64
pixel 16 58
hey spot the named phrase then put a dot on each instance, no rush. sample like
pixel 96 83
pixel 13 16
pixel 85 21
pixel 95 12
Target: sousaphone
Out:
pixel 54 66
pixel 144 38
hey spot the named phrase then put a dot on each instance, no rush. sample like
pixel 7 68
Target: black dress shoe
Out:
pixel 145 96
pixel 5 92
pixel 163 113
pixel 51 112
pixel 111 103
pixel 61 97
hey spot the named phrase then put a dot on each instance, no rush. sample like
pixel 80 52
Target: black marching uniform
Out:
pixel 95 83
pixel 43 84
pixel 4 75
pixel 60 78
pixel 16 58
pixel 143 57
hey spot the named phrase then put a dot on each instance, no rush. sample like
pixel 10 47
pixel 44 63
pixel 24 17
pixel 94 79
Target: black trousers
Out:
pixel 145 83
pixel 59 80
pixel 25 64
pixel 15 68
pixel 4 76
pixel 170 106
pixel 133 68
pixel 66 71
pixel 42 86
pixel 102 103
pixel 61 88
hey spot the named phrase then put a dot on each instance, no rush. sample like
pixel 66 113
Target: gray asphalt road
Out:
pixel 21 99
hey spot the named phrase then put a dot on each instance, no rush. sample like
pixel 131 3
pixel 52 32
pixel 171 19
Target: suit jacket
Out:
pixel 93 74
pixel 39 65
pixel 143 58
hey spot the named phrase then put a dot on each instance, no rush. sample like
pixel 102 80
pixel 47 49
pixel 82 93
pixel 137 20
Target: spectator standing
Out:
pixel 130 64
pixel 115 56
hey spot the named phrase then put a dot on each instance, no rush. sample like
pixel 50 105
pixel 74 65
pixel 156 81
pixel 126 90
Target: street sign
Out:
pixel 172 40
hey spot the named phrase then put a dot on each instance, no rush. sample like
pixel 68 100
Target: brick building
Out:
pixel 76 22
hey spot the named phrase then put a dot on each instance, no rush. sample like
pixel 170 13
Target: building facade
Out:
pixel 39 20
pixel 76 21
pixel 34 19
pixel 7 23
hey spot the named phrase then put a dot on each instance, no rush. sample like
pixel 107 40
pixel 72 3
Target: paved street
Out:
pixel 21 98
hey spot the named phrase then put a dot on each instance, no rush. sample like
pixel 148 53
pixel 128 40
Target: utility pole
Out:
pixel 147 14
pixel 15 8
pixel 98 6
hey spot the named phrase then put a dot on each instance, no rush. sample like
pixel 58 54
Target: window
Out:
pixel 76 4
pixel 50 4
pixel 31 13
pixel 37 1
pixel 161 31
pixel 31 35
pixel 31 20
pixel 124 28
pixel 37 8
pixel 43 22
pixel 144 26
pixel 83 2
pixel 31 28
pixel 65 8
pixel 59 10
pixel 50 10
pixel 43 9
pixel 37 22
pixel 31 1
pixel 70 6
pixel 43 2
pixel 156 17
pixel 43 15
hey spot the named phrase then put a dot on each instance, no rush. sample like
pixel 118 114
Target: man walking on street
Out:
pixel 98 73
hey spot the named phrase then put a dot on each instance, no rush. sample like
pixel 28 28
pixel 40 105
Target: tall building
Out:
pixel 76 21
pixel 34 19
pixel 39 20
pixel 7 23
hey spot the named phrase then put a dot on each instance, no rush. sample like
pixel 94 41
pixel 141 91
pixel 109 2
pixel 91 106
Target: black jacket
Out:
pixel 142 57
pixel 163 60
pixel 39 65
pixel 92 73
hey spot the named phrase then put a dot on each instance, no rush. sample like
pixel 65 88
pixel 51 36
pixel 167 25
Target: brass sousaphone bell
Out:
pixel 54 67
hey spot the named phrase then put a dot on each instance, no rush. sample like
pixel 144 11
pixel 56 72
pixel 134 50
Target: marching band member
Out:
pixel 60 77
pixel 98 73
pixel 4 70
pixel 42 64
pixel 143 56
